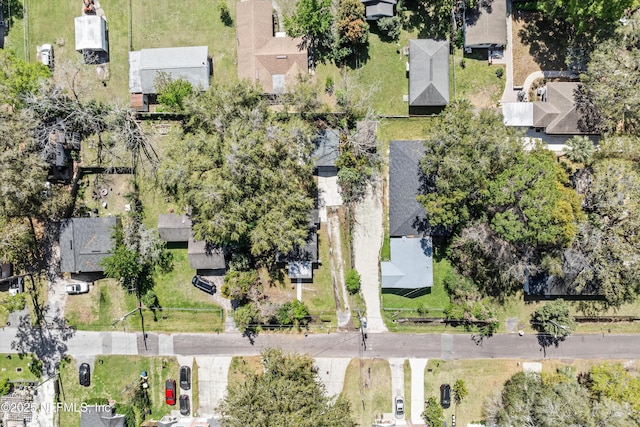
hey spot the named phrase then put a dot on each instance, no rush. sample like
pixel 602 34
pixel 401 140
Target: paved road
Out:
pixel 346 344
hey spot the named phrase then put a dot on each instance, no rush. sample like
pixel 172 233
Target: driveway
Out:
pixel 328 193
pixel 417 389
pixel 331 371
pixel 367 241
pixel 397 382
pixel 186 361
pixel 213 375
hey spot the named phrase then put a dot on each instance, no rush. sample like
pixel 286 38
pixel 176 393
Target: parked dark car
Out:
pixel 185 408
pixel 185 377
pixel 170 392
pixel 84 374
pixel 203 285
pixel 445 395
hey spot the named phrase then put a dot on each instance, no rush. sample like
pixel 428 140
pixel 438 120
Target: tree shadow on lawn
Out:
pixel 548 40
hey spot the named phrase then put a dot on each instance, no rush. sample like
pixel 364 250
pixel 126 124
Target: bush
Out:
pixel 15 302
pixel 499 72
pixel 352 281
pixel 328 85
pixel 390 27
pixel 128 412
pixel 225 15
pixel 150 299
pixel 293 313
pixel 5 387
pixel 172 93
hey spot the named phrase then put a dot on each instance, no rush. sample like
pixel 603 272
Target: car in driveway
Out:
pixel 185 408
pixel 185 377
pixel 445 395
pixel 170 392
pixel 203 284
pixel 84 375
pixel 77 288
pixel 399 407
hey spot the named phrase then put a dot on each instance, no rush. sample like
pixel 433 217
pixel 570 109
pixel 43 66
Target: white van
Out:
pixel 46 55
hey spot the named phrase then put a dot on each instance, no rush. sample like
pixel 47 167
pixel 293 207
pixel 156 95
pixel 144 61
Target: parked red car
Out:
pixel 170 392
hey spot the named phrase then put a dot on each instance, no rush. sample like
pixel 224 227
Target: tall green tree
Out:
pixel 554 318
pixel 613 74
pixel 352 30
pixel 586 16
pixel 464 153
pixel 312 20
pixel 286 392
pixel 245 172
pixel 19 78
pixel 580 149
pixel 460 391
pixel 433 415
pixel 532 203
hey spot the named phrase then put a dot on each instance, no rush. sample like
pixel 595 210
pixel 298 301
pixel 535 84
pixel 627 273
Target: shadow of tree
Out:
pixel 46 341
pixel 548 39
pixel 546 341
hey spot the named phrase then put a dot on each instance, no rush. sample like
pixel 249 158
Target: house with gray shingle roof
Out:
pixel 326 151
pixel 174 228
pixel 376 9
pixel 85 242
pixel 558 114
pixel 486 25
pixel 205 256
pixel 411 264
pixel 428 73
pixel 101 416
pixel 303 259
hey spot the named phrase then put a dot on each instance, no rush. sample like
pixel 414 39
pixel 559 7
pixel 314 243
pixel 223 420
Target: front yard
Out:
pixel 116 377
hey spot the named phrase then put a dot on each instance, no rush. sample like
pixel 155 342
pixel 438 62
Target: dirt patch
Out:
pixel 104 194
pixel 83 308
pixel 539 44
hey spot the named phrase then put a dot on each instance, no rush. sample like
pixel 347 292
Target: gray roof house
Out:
pixel 428 73
pixel 406 215
pixel 190 63
pixel 376 9
pixel 205 256
pixel 84 243
pixel 558 114
pixel 101 416
pixel 411 265
pixel 174 228
pixel 326 151
pixel 486 25
pixel 301 260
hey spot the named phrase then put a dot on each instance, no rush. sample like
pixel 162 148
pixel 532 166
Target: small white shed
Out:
pixel 91 34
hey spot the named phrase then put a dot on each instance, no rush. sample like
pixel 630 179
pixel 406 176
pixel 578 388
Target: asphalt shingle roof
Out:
pixel 406 215
pixel 428 73
pixel 84 243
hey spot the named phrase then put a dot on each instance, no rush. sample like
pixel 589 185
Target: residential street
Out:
pixel 347 344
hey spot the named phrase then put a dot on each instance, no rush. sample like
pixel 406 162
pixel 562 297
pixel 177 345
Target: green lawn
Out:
pixel 154 23
pixel 319 297
pixel 476 81
pixel 436 300
pixel 367 385
pixel 16 368
pixel 114 377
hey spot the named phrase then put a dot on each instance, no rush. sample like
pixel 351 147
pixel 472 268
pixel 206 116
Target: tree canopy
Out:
pixel 245 172
pixel 285 392
pixel 613 74
pixel 586 16
pixel 313 21
pixel 553 318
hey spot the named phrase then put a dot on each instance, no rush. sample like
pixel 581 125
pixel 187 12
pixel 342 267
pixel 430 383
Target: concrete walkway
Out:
pixel 417 389
pixel 509 95
pixel 367 241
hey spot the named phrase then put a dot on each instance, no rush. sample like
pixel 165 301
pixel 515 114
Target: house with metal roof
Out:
pixel 485 25
pixel 428 73
pixel 376 9
pixel 268 58
pixel 85 242
pixel 411 264
pixel 191 63
pixel 91 34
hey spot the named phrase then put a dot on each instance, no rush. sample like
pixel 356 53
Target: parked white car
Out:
pixel 77 288
pixel 46 55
